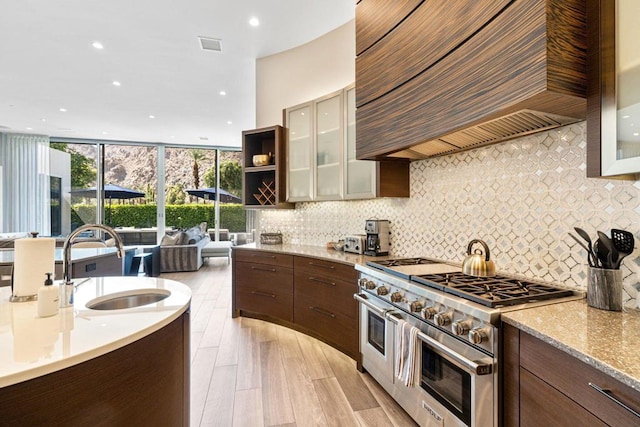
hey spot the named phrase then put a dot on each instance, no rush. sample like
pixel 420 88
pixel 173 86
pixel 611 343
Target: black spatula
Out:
pixel 624 243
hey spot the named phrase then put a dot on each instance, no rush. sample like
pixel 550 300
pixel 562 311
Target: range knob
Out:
pixel 396 297
pixel 461 327
pixel 478 335
pixel 382 290
pixel 429 312
pixel 443 318
pixel 362 282
pixel 370 284
pixel 416 306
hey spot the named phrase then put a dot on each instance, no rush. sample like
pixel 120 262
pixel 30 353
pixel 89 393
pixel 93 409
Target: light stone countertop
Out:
pixel 607 340
pixel 31 346
pixel 313 251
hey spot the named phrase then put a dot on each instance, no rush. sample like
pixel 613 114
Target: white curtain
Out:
pixel 26 197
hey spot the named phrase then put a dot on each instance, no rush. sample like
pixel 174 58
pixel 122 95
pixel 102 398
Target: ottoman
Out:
pixel 217 249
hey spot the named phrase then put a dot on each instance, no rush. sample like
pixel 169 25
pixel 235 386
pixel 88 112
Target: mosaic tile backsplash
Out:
pixel 522 197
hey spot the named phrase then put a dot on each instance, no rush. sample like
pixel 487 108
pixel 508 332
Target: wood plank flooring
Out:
pixel 246 372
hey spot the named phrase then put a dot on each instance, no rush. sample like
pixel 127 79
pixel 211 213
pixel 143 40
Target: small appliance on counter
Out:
pixel 355 243
pixel 377 237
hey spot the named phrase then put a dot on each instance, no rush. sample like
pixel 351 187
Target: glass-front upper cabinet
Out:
pixel 328 121
pixel 300 151
pixel 613 105
pixel 359 175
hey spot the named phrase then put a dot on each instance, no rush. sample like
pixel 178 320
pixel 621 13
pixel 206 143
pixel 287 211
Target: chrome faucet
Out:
pixel 66 289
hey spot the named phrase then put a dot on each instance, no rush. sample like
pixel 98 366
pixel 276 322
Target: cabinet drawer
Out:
pixel 572 377
pixel 269 303
pixel 327 322
pixel 263 277
pixel 263 257
pixel 543 405
pixel 326 268
pixel 327 291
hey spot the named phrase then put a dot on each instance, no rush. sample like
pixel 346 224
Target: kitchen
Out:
pixel 522 196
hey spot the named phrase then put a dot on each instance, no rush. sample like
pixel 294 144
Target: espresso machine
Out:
pixel 377 242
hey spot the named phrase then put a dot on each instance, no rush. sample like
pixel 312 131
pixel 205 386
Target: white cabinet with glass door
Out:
pixel 300 161
pixel 328 147
pixel 359 175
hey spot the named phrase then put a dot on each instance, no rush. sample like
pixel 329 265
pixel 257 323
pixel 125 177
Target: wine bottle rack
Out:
pixel 266 194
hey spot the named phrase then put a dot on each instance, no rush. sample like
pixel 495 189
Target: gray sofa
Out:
pixel 182 251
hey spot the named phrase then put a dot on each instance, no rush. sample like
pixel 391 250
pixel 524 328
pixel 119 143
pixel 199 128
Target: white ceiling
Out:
pixel 47 62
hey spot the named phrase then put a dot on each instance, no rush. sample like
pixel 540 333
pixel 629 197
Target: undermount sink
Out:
pixel 128 299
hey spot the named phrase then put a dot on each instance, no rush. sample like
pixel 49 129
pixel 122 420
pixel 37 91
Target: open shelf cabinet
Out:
pixel 264 187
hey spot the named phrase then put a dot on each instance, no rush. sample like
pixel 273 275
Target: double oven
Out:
pixel 456 382
pixel 456 360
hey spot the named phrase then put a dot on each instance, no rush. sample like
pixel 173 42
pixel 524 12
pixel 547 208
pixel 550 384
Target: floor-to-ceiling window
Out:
pixel 133 196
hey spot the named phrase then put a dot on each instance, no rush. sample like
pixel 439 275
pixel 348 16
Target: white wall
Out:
pixel 301 74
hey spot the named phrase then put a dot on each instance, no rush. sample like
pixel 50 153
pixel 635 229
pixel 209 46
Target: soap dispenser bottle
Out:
pixel 48 298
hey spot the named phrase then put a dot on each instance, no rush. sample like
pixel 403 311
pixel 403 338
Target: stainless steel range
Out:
pixel 458 322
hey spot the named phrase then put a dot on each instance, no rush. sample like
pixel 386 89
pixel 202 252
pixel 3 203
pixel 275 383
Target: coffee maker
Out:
pixel 377 243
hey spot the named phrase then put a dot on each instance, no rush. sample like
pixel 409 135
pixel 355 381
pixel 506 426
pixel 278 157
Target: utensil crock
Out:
pixel 604 289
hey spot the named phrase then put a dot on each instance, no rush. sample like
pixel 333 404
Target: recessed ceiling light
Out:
pixel 626 117
pixel 105 133
pixel 116 83
pixel 254 22
pixel 204 138
pixel 29 128
pixel 64 110
pixel 636 134
pixel 97 45
pixel 151 116
pixel 229 122
pixel 43 120
pixel 223 93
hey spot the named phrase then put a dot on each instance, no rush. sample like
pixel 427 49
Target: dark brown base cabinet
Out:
pixel 544 386
pixel 307 294
pixel 145 383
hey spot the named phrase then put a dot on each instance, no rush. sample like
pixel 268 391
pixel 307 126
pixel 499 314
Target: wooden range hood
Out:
pixel 435 77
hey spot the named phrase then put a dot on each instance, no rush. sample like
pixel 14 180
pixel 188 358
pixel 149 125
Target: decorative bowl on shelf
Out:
pixel 262 159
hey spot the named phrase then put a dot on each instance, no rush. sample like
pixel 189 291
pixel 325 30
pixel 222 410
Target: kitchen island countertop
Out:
pixel 31 346
pixel 606 340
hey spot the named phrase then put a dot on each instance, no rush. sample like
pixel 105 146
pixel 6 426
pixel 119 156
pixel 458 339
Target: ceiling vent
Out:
pixel 207 43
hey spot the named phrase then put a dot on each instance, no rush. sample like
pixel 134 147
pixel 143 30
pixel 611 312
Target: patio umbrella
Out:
pixel 210 194
pixel 111 191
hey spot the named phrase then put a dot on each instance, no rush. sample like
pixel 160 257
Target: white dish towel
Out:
pixel 406 353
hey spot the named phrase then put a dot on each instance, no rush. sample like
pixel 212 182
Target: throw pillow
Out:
pixel 203 227
pixel 183 238
pixel 168 240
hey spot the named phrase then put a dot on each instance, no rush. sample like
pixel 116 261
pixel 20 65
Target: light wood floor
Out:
pixel 245 372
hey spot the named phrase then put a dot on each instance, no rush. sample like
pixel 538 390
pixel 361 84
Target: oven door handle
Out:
pixel 362 299
pixel 471 366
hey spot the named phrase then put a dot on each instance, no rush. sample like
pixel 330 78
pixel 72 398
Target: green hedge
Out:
pixel 232 216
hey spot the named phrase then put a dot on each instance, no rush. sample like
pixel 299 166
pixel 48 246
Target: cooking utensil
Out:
pixel 607 251
pixel 478 263
pixel 624 243
pixel 590 253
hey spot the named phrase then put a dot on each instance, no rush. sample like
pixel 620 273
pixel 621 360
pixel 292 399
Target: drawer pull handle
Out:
pixel 330 267
pixel 263 294
pixel 323 312
pixel 607 393
pixel 324 282
pixel 273 270
pixel 263 256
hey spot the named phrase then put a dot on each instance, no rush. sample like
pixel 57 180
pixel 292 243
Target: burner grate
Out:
pixel 491 291
pixel 400 262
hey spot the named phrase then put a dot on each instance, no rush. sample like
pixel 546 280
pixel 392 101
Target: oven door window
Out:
pixel 447 383
pixel 376 331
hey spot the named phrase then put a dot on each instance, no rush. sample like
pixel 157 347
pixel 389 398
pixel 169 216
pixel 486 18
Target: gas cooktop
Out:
pixel 494 291
pixel 497 291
